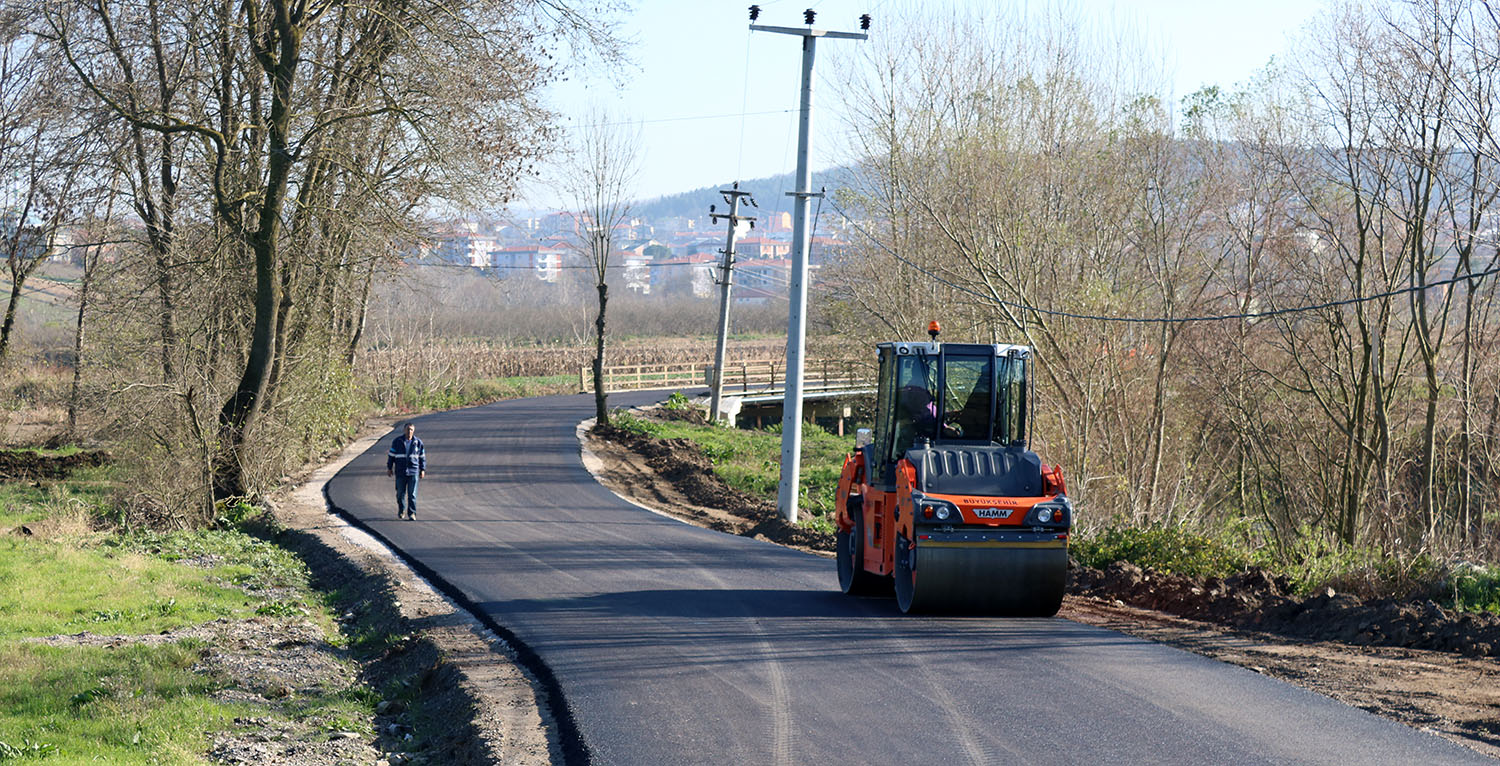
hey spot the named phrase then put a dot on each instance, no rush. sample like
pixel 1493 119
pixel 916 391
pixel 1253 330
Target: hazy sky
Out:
pixel 718 103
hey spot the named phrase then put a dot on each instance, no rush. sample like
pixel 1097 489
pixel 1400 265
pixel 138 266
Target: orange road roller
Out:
pixel 943 500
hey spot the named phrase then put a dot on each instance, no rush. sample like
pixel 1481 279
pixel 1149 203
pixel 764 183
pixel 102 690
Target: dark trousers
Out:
pixel 406 493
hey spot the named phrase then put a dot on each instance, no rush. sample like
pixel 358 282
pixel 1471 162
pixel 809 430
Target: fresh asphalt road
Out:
pixel 672 644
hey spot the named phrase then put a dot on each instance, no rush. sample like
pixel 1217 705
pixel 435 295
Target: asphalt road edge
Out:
pixel 570 740
pixel 592 464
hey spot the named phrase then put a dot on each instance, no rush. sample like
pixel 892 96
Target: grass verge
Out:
pixel 750 460
pixel 125 648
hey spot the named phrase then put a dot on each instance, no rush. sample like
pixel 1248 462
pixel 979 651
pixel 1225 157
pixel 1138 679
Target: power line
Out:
pixel 501 267
pixel 1162 320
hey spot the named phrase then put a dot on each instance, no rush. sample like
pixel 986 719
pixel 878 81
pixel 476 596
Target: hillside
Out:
pixel 770 194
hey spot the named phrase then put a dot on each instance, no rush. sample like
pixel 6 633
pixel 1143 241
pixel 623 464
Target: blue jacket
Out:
pixel 409 457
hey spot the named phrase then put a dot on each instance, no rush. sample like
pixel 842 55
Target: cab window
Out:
pixel 968 388
pixel 916 403
pixel 1013 399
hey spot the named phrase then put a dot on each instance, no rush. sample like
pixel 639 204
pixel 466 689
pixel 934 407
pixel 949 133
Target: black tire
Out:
pixel 905 578
pixel 853 579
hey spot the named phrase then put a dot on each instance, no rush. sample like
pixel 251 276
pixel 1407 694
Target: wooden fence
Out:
pixel 750 375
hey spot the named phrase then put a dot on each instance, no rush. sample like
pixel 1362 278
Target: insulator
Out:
pixel 864 22
pixel 809 15
pixel 754 12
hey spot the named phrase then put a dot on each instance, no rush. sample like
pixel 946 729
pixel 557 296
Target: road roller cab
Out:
pixel 943 499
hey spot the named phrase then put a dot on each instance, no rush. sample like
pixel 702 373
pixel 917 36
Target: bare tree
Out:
pixel 598 178
pixel 41 149
pixel 299 135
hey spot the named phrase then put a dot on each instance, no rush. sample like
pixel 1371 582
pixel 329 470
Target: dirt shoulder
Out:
pixel 1437 688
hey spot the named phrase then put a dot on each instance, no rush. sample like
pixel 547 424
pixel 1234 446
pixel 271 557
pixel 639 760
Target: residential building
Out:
pixel 514 261
pixel 763 248
pixel 687 275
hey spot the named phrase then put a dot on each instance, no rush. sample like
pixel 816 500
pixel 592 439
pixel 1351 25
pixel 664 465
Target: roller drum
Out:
pixel 1022 580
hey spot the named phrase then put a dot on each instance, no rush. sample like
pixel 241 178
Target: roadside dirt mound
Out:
pixel 690 472
pixel 1256 600
pixel 28 465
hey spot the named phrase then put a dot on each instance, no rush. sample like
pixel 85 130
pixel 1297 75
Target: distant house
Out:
pixel 757 296
pixel 68 245
pixel 465 248
pixel 676 224
pixel 636 271
pixel 763 248
pixel 688 275
pixel 538 261
pixel 826 249
pixel 760 279
pixel 778 221
pixel 30 243
pixel 557 224
pixel 639 246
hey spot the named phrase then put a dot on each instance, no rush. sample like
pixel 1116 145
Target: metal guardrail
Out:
pixel 739 377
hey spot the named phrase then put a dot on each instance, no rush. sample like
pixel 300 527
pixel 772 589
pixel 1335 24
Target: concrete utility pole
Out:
pixel 726 273
pixel 791 416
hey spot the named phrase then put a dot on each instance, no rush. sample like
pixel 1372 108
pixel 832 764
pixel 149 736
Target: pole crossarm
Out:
pixel 809 32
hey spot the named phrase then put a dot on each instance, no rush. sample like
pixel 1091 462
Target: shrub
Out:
pixel 627 422
pixel 1171 550
pixel 1476 588
pixel 1314 561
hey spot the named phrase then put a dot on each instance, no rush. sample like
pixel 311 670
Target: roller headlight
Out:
pixel 933 511
pixel 1057 512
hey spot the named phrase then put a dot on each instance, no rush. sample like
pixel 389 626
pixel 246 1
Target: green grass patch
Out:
pixel 86 492
pixel 1172 550
pixel 48 588
pixel 133 704
pixel 238 557
pixel 1313 561
pixel 750 460
pixel 136 703
pixel 1476 588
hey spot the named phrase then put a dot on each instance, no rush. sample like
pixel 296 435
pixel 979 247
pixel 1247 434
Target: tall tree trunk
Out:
pixel 601 410
pixel 1465 437
pixel 7 326
pixel 1158 424
pixel 278 53
pixel 85 283
pixel 362 312
pixel 166 323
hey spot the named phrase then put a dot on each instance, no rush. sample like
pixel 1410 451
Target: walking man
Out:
pixel 407 461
